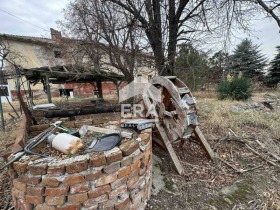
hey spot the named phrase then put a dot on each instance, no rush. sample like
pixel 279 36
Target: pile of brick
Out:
pixel 116 179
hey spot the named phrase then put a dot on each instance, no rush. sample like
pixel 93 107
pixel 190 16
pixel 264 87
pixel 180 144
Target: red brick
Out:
pixel 18 193
pixel 94 201
pixel 126 161
pixel 22 205
pixel 69 207
pixel 129 147
pixel 53 201
pixel 133 174
pixel 77 167
pixel 111 168
pixel 114 156
pixel 20 166
pixel 116 192
pixel 56 170
pixel 84 187
pixel 78 198
pixel 135 165
pixel 136 198
pixel 34 199
pixel 44 207
pixel 142 171
pixel 74 179
pixel 145 137
pixel 131 182
pixel 119 182
pixel 62 190
pixel 39 169
pixel 124 171
pixel 126 207
pixel 122 204
pixel 19 185
pixel 32 180
pixel 138 156
pixel 99 191
pixel 35 190
pixel 109 204
pixel 106 180
pixel 51 182
pixel 93 175
pixel 97 160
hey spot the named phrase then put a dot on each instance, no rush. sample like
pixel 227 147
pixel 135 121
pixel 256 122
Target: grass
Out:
pixel 217 116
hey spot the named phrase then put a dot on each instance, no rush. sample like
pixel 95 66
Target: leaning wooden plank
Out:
pixel 170 149
pixel 204 143
pixel 108 131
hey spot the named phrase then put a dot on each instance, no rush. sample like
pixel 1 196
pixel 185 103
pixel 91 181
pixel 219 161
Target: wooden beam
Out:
pixel 170 149
pixel 204 144
pixel 99 88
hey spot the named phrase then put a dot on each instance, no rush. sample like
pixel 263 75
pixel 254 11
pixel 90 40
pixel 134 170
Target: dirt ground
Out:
pixel 245 175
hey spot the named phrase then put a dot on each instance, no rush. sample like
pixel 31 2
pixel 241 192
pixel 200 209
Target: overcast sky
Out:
pixel 45 13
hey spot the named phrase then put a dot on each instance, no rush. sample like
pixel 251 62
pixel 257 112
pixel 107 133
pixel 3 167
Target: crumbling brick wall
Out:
pixel 117 179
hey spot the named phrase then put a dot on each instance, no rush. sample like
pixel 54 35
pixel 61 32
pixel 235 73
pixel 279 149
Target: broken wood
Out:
pixel 262 157
pixel 108 131
pixel 268 151
pixel 239 170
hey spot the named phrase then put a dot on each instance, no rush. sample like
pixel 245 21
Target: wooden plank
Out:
pixel 206 147
pixel 170 149
pixel 108 131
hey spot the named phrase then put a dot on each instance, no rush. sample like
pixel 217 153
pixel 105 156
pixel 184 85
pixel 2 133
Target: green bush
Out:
pixel 236 89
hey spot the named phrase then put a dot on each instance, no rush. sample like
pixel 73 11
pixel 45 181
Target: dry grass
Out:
pixel 217 116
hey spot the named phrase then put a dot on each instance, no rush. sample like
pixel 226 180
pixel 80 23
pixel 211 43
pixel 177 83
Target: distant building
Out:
pixel 38 54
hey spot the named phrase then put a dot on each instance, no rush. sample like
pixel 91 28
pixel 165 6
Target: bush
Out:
pixel 235 88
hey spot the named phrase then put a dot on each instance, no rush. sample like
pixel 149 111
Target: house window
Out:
pixel 57 54
pixel 3 81
pixel 4 91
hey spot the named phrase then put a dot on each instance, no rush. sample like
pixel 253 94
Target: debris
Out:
pixel 105 143
pixel 108 131
pixel 66 143
pixel 43 106
pixel 140 124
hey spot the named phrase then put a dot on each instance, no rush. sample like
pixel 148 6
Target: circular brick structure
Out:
pixel 117 179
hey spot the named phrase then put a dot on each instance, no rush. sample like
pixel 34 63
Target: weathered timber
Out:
pixel 81 111
pixel 204 144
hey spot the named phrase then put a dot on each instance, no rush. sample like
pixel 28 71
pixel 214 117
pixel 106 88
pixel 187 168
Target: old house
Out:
pixel 50 65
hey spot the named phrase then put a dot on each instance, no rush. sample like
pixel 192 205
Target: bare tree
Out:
pixel 168 22
pixel 107 36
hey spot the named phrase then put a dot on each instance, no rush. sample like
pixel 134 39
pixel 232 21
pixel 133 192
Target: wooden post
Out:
pixel 30 93
pixel 204 144
pixel 170 149
pixel 99 88
pixel 48 88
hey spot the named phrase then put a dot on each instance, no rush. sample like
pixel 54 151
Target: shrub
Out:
pixel 235 88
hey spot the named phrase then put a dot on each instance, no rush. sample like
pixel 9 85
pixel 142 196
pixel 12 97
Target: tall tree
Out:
pixel 248 59
pixel 191 66
pixel 107 36
pixel 219 63
pixel 167 22
pixel 273 77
